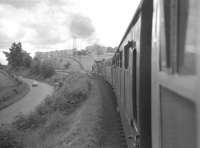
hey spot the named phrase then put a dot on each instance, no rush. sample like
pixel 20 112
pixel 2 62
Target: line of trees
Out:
pixel 45 68
pixel 17 57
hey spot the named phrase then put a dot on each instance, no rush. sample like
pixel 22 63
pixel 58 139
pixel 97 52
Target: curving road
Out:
pixel 28 103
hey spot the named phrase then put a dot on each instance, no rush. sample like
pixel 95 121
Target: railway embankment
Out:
pixel 43 126
pixel 97 123
pixel 81 113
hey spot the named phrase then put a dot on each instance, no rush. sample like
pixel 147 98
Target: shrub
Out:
pixel 47 69
pixel 67 65
pixel 46 107
pixel 10 138
pixel 31 121
pixel 55 121
pixel 35 66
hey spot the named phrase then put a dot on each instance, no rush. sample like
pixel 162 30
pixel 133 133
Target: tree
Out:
pixel 47 69
pixel 35 66
pixel 14 57
pixel 26 59
pixel 17 56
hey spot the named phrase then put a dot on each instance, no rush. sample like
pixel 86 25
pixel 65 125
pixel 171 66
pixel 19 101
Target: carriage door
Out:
pixel 175 77
pixel 134 121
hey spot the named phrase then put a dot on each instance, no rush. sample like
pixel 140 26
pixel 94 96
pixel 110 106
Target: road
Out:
pixel 27 103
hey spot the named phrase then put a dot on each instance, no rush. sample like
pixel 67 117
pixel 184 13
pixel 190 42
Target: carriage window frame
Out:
pixel 120 59
pixel 117 60
pixel 168 36
pixel 126 56
pixel 186 60
pixel 173 54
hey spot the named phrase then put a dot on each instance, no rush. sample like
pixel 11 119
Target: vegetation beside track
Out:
pixel 12 94
pixel 40 128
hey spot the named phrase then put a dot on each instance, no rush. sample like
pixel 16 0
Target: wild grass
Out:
pixel 42 127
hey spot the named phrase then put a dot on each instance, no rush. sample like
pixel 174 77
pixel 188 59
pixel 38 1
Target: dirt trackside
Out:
pixel 80 114
pixel 96 124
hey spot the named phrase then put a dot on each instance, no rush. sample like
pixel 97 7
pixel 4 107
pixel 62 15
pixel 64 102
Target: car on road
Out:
pixel 34 84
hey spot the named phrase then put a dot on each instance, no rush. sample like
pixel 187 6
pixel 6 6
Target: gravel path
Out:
pixel 112 135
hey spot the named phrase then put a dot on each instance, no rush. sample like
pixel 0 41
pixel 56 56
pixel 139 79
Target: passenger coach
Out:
pixel 155 74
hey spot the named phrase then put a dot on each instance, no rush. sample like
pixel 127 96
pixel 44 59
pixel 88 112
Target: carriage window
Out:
pixel 187 41
pixel 126 56
pixel 120 57
pixel 177 40
pixel 118 60
pixel 165 34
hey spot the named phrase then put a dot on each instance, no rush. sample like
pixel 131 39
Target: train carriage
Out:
pixel 155 74
pixel 175 74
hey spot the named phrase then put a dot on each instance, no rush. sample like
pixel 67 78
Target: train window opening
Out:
pixel 165 36
pixel 120 58
pixel 126 56
pixel 117 61
pixel 186 37
pixel 167 16
pixel 177 41
pixel 134 86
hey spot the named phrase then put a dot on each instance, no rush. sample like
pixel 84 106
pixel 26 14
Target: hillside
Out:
pixel 70 62
pixel 6 80
pixel 11 89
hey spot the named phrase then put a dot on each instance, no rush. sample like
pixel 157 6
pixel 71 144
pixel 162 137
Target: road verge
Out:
pixel 13 94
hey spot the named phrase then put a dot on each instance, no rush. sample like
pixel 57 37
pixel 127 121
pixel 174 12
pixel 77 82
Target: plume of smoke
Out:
pixel 81 27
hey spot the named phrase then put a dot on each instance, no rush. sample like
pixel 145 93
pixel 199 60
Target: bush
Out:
pixel 31 121
pixel 35 66
pixel 67 65
pixel 55 121
pixel 10 138
pixel 46 107
pixel 47 69
pixel 62 104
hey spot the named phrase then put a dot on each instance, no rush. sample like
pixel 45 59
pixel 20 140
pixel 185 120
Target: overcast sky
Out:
pixel 43 25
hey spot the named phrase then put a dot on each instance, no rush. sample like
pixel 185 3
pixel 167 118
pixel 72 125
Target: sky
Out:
pixel 44 25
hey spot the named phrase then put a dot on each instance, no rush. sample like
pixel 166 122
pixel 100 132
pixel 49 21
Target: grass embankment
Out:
pixel 28 73
pixel 11 89
pixel 12 94
pixel 51 118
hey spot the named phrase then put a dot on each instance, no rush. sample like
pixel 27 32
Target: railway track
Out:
pixel 112 134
